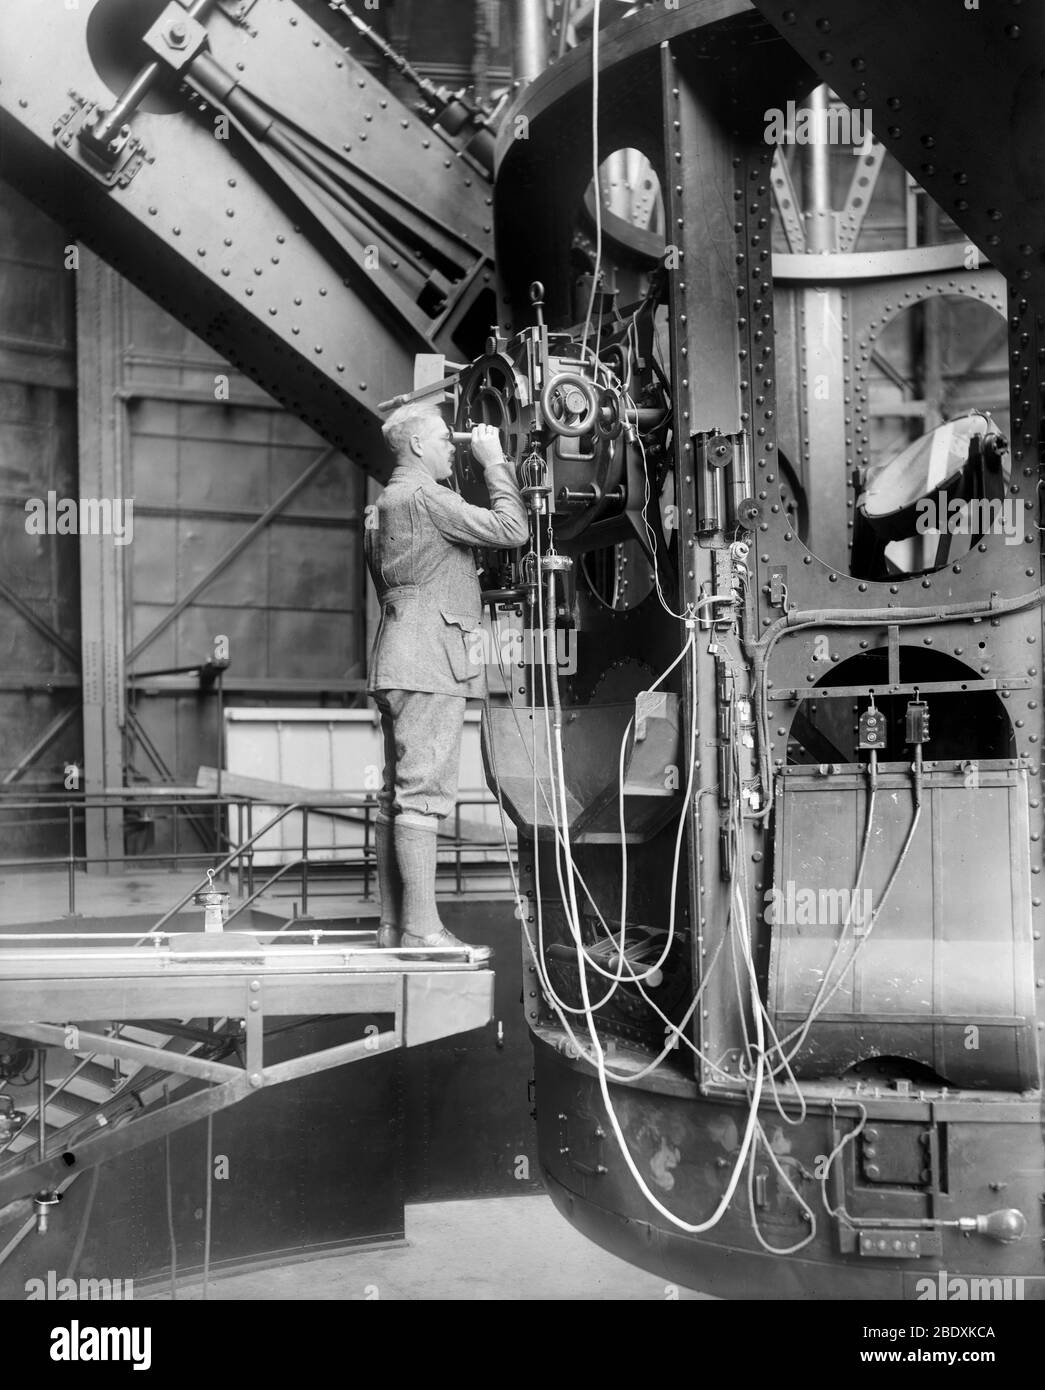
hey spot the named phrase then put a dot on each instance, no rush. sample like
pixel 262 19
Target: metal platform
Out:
pixel 177 985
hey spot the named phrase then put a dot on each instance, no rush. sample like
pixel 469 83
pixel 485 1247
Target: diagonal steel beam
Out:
pixel 182 1063
pixel 27 1173
pixel 254 530
pixel 861 190
pixel 787 204
pixel 56 726
pixel 42 627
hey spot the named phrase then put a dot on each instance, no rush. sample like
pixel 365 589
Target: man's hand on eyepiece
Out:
pixel 486 446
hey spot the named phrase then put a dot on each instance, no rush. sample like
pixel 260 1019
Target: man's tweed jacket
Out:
pixel 418 543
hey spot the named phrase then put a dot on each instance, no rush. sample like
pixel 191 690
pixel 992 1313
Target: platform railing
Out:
pixel 357 862
pixel 65 810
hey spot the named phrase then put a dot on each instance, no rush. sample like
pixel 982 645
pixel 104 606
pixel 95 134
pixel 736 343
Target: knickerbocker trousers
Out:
pixel 422 740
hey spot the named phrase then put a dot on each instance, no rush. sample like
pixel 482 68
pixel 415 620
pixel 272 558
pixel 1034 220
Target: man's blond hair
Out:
pixel 416 417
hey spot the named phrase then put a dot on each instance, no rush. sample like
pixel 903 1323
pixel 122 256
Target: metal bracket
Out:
pixel 894 654
pixel 68 126
pixel 176 38
pixel 591 1170
pixel 777 586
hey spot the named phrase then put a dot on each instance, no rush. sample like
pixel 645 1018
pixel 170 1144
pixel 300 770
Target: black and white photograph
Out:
pixel 522 703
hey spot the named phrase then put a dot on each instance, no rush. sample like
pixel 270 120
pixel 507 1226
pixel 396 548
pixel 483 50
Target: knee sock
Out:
pixel 389 884
pixel 415 847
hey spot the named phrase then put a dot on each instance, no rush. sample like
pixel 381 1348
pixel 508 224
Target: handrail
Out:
pixel 225 863
pixel 68 806
pixel 57 1091
pixel 290 864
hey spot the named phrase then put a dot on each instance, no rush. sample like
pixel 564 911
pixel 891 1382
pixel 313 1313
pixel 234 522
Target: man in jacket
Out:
pixel 427 660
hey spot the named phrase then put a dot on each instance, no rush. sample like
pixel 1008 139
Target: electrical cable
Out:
pixel 738 870
pixel 800 619
pixel 761 1137
pixel 170 1203
pixel 819 1001
pixel 676 1030
pixel 600 1058
pixel 559 807
pixel 597 271
pixel 650 534
pixel 559 1007
pixel 691 648
pixel 740 889
pixel 839 1213
pixel 208 1207
pixel 597 1059
pixel 548 657
pixel 691 1228
pixel 804 1028
pixel 562 838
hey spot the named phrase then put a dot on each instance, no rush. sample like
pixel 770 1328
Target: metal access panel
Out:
pixel 940 971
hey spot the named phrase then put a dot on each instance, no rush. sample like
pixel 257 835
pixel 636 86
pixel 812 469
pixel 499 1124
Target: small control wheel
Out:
pixel 609 422
pixel 575 396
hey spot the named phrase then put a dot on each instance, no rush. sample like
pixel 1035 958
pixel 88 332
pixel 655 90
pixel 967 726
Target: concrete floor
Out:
pixel 514 1248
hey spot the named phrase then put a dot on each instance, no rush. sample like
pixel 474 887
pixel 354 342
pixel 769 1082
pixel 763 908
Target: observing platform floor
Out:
pixel 38 897
pixel 495 1248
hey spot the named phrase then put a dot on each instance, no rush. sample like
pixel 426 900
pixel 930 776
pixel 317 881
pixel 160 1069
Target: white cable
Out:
pixel 650 534
pixel 818 1009
pixel 562 838
pixel 775 1249
pixel 692 649
pixel 691 1228
pixel 839 1213
pixel 562 844
pixel 601 1069
pixel 597 1058
pixel 739 868
pixel 559 1006
pixel 596 18
pixel 562 833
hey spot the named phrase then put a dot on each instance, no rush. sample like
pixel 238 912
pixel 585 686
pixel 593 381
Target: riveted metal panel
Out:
pixel 936 966
pixel 39 573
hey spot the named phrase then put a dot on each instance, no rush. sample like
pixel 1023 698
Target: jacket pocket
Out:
pixel 463 644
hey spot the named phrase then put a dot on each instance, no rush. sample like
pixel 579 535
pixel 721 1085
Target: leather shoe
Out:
pixel 389 938
pixel 445 938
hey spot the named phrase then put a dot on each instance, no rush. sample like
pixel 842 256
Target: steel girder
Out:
pixel 272 195
pixel 958 96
